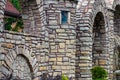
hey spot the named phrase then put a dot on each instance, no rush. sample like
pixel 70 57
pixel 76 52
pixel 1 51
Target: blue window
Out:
pixel 64 17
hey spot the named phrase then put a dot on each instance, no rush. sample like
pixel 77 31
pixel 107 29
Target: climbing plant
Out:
pixel 10 20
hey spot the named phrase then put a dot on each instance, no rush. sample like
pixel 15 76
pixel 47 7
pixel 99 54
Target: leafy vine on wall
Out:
pixel 14 24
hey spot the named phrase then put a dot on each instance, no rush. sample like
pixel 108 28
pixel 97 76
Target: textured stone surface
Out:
pixel 90 38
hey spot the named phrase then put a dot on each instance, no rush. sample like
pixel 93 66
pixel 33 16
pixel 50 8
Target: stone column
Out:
pixel 84 49
pixel 2 7
pixel 111 43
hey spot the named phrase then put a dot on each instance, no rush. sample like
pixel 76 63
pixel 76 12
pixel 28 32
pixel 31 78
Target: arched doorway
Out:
pixel 98 40
pixel 117 20
pixel 21 68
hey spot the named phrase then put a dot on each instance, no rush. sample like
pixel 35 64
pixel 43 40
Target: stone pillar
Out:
pixel 43 56
pixel 84 49
pixel 111 43
pixel 2 7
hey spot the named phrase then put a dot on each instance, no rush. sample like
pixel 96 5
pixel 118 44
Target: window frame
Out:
pixel 68 17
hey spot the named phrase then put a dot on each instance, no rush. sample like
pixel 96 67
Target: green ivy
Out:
pixel 64 77
pixel 99 73
pixel 10 20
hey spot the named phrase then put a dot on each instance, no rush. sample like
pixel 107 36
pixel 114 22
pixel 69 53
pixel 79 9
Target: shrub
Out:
pixel 99 73
pixel 64 77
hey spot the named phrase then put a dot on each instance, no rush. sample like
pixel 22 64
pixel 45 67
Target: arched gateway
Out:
pixel 98 40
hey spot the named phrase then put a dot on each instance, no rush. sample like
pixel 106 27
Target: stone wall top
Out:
pixel 18 33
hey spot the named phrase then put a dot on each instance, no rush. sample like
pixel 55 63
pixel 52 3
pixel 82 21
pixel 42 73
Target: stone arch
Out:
pixel 22 68
pixel 10 57
pixel 87 11
pixel 98 40
pixel 31 58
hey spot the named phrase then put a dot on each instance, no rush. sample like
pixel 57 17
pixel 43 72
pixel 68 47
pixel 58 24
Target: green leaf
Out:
pixel 99 73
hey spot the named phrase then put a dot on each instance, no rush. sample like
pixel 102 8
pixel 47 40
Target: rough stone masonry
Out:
pixel 62 37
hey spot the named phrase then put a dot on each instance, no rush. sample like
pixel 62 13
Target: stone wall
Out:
pixel 48 46
pixel 86 13
pixel 62 38
pixel 31 47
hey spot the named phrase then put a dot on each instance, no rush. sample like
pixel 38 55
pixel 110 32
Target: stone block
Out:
pixel 59 58
pixel 64 67
pixel 54 50
pixel 9 36
pixel 43 68
pixel 67 41
pixel 65 59
pixel 59 63
pixel 60 30
pixel 83 65
pixel 72 41
pixel 62 45
pixel 56 67
pixel 102 62
pixel 52 59
pixel 7 45
pixel 61 50
pixel 52 22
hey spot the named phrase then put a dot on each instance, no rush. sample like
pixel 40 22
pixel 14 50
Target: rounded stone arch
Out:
pixel 99 40
pixel 22 68
pixel 87 10
pixel 31 58
pixel 25 54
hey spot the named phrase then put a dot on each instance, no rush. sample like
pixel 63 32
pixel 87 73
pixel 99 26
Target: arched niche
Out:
pixel 98 39
pixel 117 20
pixel 22 68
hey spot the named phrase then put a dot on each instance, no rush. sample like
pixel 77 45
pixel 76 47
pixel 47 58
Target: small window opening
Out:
pixel 64 17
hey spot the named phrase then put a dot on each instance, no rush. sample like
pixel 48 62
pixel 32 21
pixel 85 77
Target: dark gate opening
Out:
pixel 98 40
